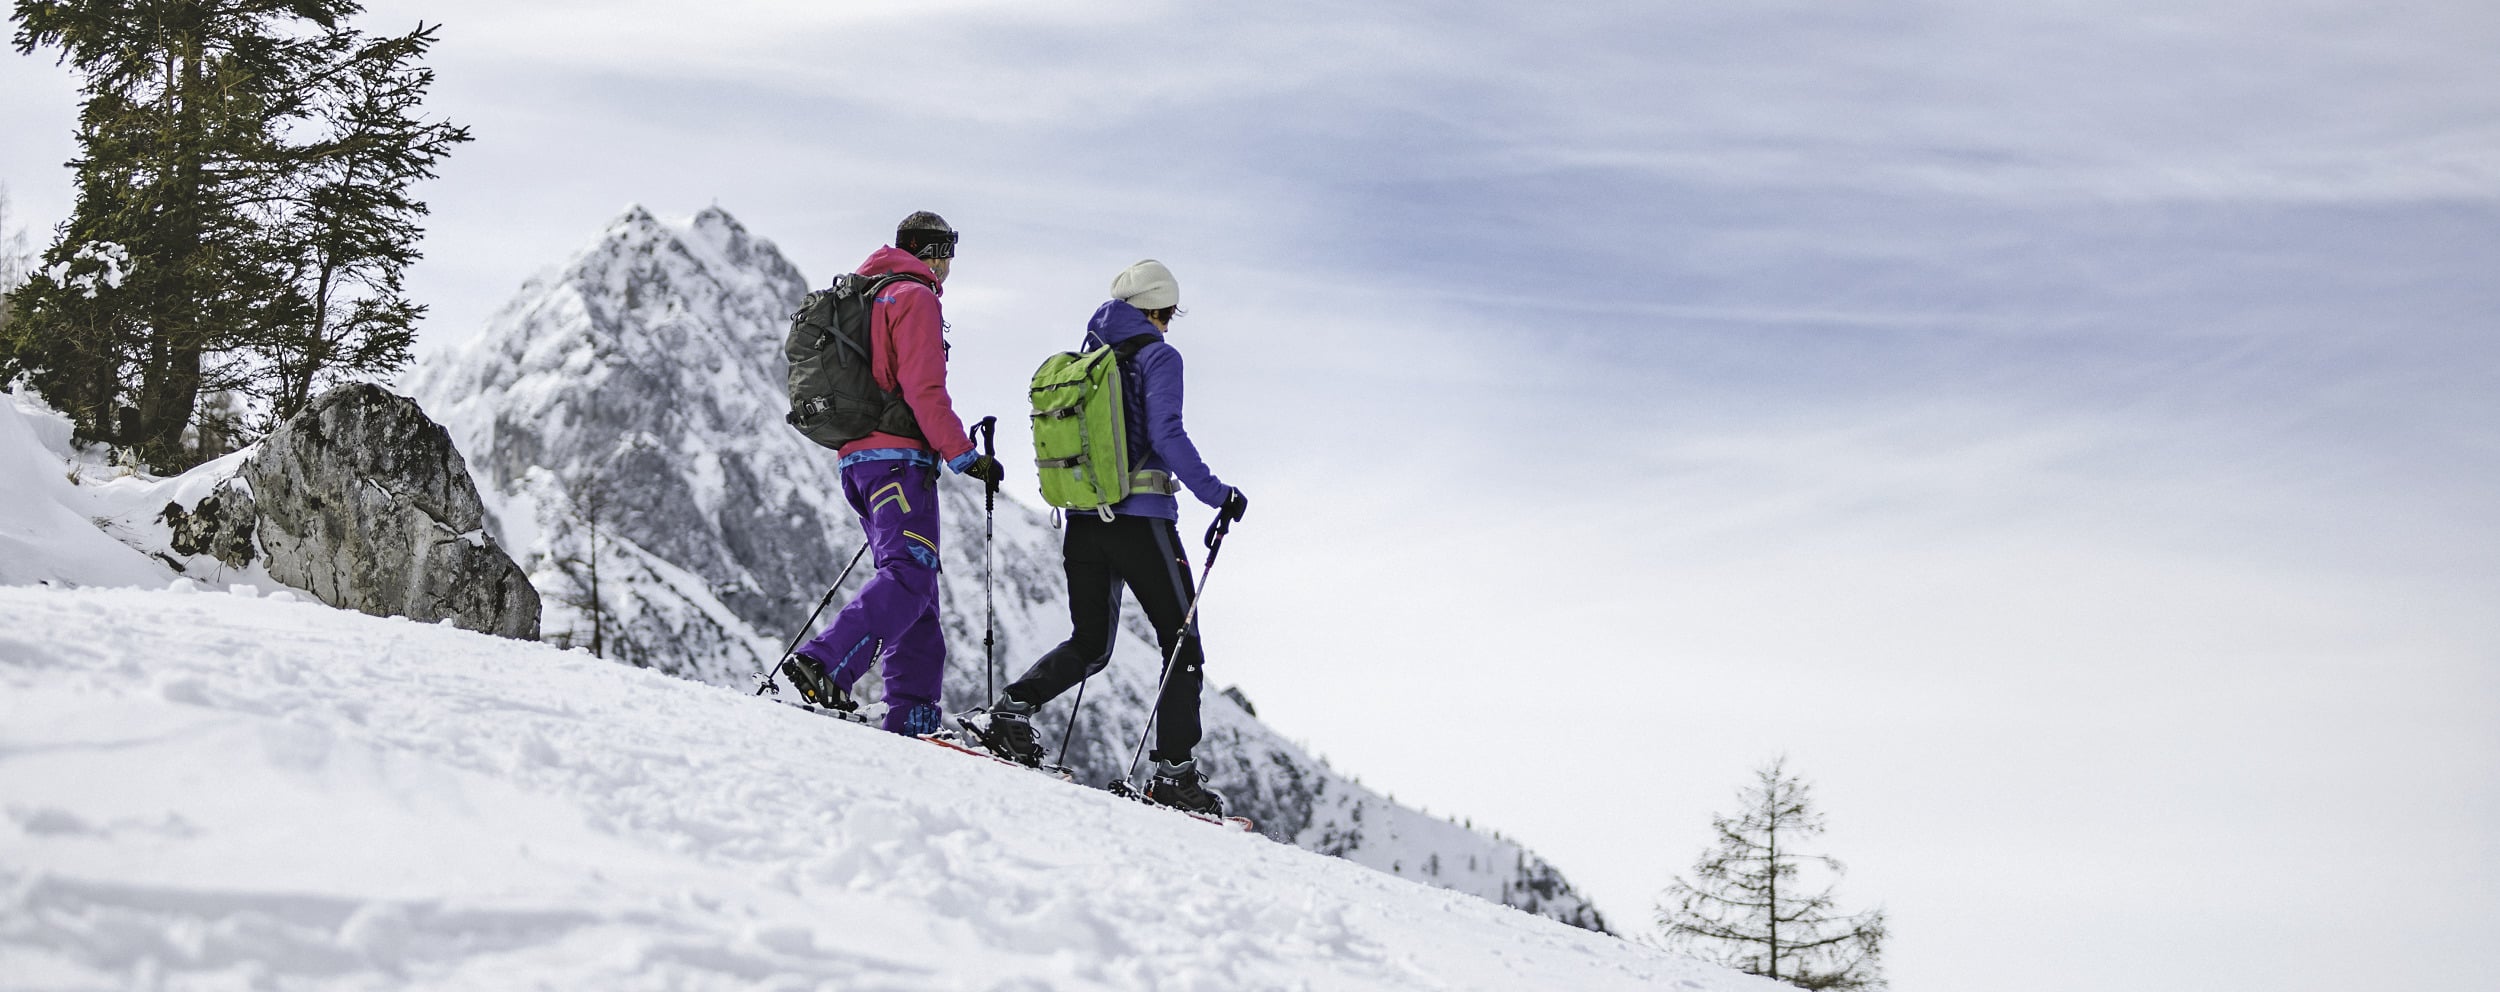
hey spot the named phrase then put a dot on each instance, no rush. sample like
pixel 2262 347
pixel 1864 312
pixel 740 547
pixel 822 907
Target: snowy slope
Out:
pixel 44 530
pixel 68 518
pixel 650 364
pixel 231 791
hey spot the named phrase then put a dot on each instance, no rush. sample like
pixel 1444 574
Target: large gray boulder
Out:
pixel 362 501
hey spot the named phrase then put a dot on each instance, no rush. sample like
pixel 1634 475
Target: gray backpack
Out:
pixel 834 396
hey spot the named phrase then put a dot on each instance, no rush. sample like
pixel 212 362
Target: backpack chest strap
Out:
pixel 1152 480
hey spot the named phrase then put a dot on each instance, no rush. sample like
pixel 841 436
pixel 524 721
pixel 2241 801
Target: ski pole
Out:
pixel 767 681
pixel 1215 546
pixel 986 432
pixel 1070 734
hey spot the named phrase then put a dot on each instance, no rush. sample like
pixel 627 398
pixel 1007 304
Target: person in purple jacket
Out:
pixel 1138 548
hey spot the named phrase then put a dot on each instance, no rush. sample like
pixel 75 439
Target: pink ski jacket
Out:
pixel 907 353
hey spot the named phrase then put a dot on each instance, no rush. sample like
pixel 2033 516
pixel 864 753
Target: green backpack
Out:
pixel 1080 430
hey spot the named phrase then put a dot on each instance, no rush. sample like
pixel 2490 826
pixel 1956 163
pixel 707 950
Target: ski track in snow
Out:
pixel 216 790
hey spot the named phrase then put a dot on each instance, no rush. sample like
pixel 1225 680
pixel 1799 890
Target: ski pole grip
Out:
pixel 985 437
pixel 985 434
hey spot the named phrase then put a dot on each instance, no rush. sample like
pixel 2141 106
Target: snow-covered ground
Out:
pixel 204 789
pixel 68 517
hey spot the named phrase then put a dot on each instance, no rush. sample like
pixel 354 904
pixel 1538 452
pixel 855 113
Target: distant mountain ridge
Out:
pixel 636 390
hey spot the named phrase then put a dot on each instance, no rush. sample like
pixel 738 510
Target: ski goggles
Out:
pixel 927 245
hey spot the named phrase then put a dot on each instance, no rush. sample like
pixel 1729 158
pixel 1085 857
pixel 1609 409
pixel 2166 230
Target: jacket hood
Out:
pixel 1117 321
pixel 890 260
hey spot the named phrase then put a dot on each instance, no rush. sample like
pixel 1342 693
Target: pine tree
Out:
pixel 591 504
pixel 1752 907
pixel 242 164
pixel 150 279
pixel 585 522
pixel 351 227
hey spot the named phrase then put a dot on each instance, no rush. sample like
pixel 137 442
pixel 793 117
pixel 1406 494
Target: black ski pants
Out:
pixel 1144 554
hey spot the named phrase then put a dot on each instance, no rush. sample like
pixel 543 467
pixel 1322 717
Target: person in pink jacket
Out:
pixel 890 479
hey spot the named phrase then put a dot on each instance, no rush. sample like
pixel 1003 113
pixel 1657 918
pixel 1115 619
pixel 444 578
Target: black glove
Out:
pixel 1235 505
pixel 986 469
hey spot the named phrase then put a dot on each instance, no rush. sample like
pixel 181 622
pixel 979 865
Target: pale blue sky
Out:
pixel 2068 431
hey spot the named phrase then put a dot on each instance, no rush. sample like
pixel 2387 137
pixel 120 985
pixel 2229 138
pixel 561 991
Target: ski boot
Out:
pixel 809 678
pixel 1005 729
pixel 1178 786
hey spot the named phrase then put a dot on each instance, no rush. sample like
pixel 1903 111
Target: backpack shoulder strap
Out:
pixel 1128 349
pixel 865 290
pixel 870 286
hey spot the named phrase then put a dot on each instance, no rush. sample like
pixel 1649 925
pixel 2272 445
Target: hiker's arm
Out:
pixel 1160 367
pixel 920 369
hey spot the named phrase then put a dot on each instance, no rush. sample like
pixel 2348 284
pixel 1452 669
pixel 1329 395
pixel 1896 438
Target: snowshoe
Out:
pixel 1004 732
pixel 819 691
pixel 1172 794
pixel 954 741
pixel 1178 786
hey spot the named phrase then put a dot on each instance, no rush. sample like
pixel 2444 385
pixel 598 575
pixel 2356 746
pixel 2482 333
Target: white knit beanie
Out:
pixel 1147 285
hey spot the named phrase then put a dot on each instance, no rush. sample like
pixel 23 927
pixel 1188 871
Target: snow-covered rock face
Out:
pixel 636 394
pixel 637 369
pixel 361 501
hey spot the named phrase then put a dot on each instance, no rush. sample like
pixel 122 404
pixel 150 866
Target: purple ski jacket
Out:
pixel 1154 390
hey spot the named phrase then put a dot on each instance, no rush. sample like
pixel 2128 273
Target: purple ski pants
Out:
pixel 896 612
